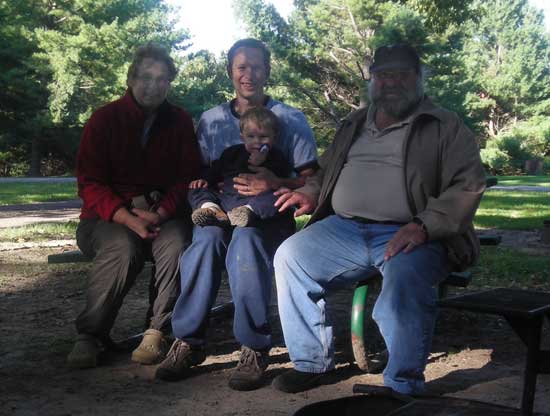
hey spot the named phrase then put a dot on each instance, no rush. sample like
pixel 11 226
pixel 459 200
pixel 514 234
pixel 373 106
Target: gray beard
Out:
pixel 400 107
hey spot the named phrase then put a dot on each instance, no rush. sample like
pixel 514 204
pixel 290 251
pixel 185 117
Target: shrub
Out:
pixel 495 160
pixel 523 141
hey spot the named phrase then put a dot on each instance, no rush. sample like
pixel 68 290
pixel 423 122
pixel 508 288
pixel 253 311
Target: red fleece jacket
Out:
pixel 113 166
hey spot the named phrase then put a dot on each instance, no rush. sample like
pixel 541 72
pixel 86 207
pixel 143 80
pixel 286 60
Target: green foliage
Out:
pixel 89 51
pixel 324 51
pixel 488 61
pixel 62 60
pixel 507 58
pixel 535 135
pixel 526 140
pixel 495 159
pixel 440 14
pixel 202 83
pixel 22 94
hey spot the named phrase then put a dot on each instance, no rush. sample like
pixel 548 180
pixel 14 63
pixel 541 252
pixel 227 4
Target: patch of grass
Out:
pixel 524 180
pixel 511 210
pixel 44 231
pixel 301 221
pixel 503 267
pixel 27 192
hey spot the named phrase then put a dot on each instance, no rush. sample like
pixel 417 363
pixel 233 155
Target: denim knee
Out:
pixel 286 251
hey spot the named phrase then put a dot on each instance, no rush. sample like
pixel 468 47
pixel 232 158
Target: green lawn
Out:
pixel 502 267
pixel 524 180
pixel 44 231
pixel 513 210
pixel 29 192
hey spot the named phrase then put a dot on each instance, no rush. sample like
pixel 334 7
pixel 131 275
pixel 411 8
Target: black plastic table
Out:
pixel 524 310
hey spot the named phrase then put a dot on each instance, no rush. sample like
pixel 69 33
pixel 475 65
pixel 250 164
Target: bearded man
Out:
pixel 397 191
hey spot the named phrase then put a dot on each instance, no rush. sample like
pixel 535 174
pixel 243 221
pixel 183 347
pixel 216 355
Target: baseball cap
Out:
pixel 398 56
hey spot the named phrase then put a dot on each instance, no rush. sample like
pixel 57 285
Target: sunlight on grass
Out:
pixel 39 232
pixel 301 221
pixel 27 193
pixel 524 180
pixel 513 210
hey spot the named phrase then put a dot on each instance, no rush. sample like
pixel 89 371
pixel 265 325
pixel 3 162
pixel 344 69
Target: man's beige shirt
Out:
pixel 371 184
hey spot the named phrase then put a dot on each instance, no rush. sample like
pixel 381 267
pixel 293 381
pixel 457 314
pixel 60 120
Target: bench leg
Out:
pixel 533 338
pixel 358 326
pixel 369 349
pixel 529 330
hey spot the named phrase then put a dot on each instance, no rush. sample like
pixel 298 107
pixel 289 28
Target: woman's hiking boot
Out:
pixel 152 348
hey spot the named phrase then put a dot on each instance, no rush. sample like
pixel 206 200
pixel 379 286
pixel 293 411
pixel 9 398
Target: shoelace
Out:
pixel 174 352
pixel 248 358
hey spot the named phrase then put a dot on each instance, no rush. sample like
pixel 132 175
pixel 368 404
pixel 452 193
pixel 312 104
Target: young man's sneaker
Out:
pixel 241 216
pixel 249 374
pixel 179 359
pixel 209 216
pixel 85 352
pixel 152 348
pixel 296 381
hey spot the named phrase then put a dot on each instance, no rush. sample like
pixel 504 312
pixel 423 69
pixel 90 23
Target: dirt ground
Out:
pixel 474 356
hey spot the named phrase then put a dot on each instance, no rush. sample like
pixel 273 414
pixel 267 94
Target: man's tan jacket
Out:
pixel 443 173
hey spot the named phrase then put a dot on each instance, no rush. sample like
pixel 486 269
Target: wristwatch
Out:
pixel 421 224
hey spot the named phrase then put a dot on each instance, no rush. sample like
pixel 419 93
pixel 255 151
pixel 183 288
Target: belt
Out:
pixel 369 221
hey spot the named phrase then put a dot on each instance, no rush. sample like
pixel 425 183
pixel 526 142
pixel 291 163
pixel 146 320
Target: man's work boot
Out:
pixel 209 216
pixel 294 381
pixel 179 359
pixel 85 352
pixel 249 374
pixel 152 348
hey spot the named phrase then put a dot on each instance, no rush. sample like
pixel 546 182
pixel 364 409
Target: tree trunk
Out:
pixel 36 158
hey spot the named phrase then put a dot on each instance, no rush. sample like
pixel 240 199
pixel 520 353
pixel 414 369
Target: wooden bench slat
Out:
pixel 73 256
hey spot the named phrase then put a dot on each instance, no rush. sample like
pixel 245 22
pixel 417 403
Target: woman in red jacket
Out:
pixel 136 158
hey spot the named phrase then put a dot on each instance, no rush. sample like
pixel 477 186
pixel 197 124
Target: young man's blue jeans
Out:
pixel 325 255
pixel 247 254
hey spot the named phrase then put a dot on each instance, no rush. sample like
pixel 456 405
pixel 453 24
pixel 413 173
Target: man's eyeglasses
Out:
pixel 148 80
pixel 397 75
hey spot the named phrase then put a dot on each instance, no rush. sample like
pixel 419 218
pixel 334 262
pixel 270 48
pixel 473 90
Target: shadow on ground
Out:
pixel 475 356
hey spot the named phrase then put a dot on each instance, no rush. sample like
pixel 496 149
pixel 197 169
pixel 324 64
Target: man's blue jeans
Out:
pixel 320 257
pixel 247 254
